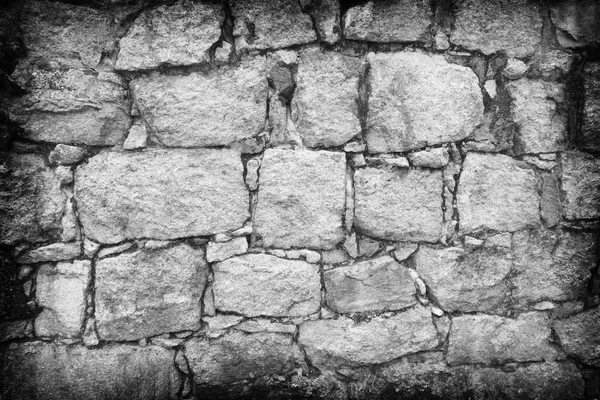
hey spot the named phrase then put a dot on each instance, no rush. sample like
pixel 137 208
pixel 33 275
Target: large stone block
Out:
pixel 239 356
pixel 38 370
pixel 149 292
pixel 418 100
pixel 135 195
pixel 578 22
pixel 492 26
pixel 389 21
pixel 589 128
pixel 541 128
pixel 260 284
pixel 301 199
pixel 399 204
pixel 497 193
pixel 339 342
pixel 579 336
pixel 581 185
pixel 217 108
pixel 465 281
pixel 380 284
pixel 178 34
pixel 487 339
pixel 326 98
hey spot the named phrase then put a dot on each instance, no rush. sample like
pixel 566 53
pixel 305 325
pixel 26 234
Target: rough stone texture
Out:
pixel 239 356
pixel 389 21
pixel 589 129
pixel 487 339
pixel 217 108
pixel 432 158
pixel 38 370
pixel 326 98
pixel 579 335
pixel 552 265
pixel 327 20
pixel 491 26
pixel 137 137
pixel 265 325
pixel 51 252
pixel 459 280
pixel 380 284
pixel 180 34
pixel 11 330
pixel 128 195
pixel 581 185
pixel 399 204
pixel 550 205
pixel 419 100
pixel 163 297
pixel 301 199
pixel 220 251
pixel 61 291
pixel 514 69
pixel 266 24
pixel 261 284
pixel 578 22
pixel 497 193
pixel 541 128
pixel 64 154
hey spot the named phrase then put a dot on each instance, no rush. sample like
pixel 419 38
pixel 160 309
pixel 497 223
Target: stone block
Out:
pixel 578 22
pixel 589 128
pixel 579 336
pixel 580 185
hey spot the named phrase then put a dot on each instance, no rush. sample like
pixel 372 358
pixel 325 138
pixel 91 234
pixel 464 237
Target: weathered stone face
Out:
pixel 260 284
pixel 380 284
pixel 419 100
pixel 113 187
pixel 327 20
pixel 581 185
pixel 219 108
pixel 51 252
pixel 388 201
pixel 497 193
pixel 578 23
pixel 163 297
pixel 590 117
pixel 301 199
pixel 579 335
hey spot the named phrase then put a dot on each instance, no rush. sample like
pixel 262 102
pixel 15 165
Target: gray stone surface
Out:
pixel 466 281
pixel 261 284
pixel 178 34
pixel 418 100
pixel 51 252
pixel 136 138
pixel 219 251
pixel 496 193
pixel 326 98
pixel 387 202
pixel 550 204
pixel 135 195
pixel 578 22
pixel 343 342
pixel 327 20
pixel 301 199
pixel 217 108
pixel 11 330
pixel 374 285
pixel 389 21
pixel 492 26
pixel 487 339
pixel 240 356
pixel 580 185
pixel 589 132
pixel 579 336
pixel 432 158
pixel 64 154
pixel 149 292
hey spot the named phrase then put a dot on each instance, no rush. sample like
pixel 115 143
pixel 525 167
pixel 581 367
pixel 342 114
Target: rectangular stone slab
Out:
pixel 135 195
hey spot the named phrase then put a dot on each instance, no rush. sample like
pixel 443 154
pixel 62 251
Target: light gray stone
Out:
pixel 90 248
pixel 132 195
pixel 265 325
pixel 327 20
pixel 404 250
pixel 335 256
pixel 466 281
pixel 112 250
pixel 555 63
pixel 491 87
pixel 492 26
pixel 419 100
pixel 252 174
pixel 496 193
pixel 487 339
pixel 137 137
pixel 221 251
pixel 219 322
pixel 163 297
pixel 387 202
pixel 219 108
pixel 580 185
pixel 61 292
pixel 367 247
pixel 432 158
pixel 90 336
pixel 64 154
pixel 261 284
pixel 339 342
pixel 514 69
pixel 374 285
pixel 579 335
pixel 578 22
pixel 51 252
pixel 301 199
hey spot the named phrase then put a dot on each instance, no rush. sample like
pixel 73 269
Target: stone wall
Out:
pixel 300 199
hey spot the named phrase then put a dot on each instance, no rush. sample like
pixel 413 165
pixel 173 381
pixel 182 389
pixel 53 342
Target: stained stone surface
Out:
pixel 578 22
pixel 398 204
pixel 418 100
pixel 261 284
pixel 338 342
pixel 326 98
pixel 217 108
pixel 301 199
pixel 379 284
pixel 389 21
pixel 178 34
pixel 163 297
pixel 579 336
pixel 493 26
pixel 590 114
pixel 466 281
pixel 580 185
pixel 240 356
pixel 497 193
pixel 133 195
